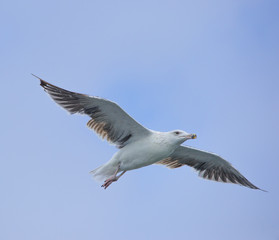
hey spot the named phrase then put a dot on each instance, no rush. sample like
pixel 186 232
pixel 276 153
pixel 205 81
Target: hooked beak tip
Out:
pixel 194 136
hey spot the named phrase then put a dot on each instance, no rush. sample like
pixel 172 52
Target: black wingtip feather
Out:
pixel 43 83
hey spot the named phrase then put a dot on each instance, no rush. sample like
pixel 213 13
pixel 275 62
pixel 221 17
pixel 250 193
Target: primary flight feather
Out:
pixel 139 146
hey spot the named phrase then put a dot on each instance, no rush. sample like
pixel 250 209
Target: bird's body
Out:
pixel 139 146
pixel 143 152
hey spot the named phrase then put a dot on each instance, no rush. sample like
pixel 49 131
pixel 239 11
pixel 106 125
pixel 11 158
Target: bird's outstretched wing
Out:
pixel 107 118
pixel 209 166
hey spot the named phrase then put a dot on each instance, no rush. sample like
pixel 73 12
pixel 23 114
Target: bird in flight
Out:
pixel 139 146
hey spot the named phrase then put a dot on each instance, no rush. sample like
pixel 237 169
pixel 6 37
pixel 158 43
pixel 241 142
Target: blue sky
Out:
pixel 207 67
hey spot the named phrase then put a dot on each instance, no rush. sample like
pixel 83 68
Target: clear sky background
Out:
pixel 207 67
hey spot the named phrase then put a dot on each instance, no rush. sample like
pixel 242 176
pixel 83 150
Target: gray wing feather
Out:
pixel 108 119
pixel 210 166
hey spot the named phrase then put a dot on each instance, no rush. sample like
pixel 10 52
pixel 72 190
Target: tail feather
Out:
pixel 103 172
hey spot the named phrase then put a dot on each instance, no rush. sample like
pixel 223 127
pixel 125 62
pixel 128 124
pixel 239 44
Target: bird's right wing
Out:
pixel 210 166
pixel 107 118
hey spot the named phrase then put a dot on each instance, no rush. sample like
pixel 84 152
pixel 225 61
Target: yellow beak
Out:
pixel 194 136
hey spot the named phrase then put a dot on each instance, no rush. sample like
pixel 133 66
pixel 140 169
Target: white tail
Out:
pixel 103 172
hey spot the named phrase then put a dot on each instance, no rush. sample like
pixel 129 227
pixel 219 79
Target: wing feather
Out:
pixel 210 166
pixel 108 120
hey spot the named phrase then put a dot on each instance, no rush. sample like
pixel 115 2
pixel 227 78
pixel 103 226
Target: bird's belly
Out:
pixel 142 155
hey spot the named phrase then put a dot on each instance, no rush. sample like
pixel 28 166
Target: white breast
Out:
pixel 144 152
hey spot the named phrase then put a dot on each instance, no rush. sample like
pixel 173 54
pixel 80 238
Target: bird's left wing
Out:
pixel 210 166
pixel 108 119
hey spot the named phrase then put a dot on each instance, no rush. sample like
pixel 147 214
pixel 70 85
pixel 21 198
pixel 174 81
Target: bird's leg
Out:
pixel 113 178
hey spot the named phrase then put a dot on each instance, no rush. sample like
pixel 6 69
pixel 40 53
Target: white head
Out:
pixel 179 136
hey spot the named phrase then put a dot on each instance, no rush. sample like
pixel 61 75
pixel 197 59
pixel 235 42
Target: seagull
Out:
pixel 139 146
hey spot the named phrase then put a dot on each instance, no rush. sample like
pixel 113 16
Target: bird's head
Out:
pixel 180 136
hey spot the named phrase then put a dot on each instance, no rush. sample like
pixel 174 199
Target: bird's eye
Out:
pixel 176 133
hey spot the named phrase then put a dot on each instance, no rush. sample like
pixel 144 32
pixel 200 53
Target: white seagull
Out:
pixel 139 146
